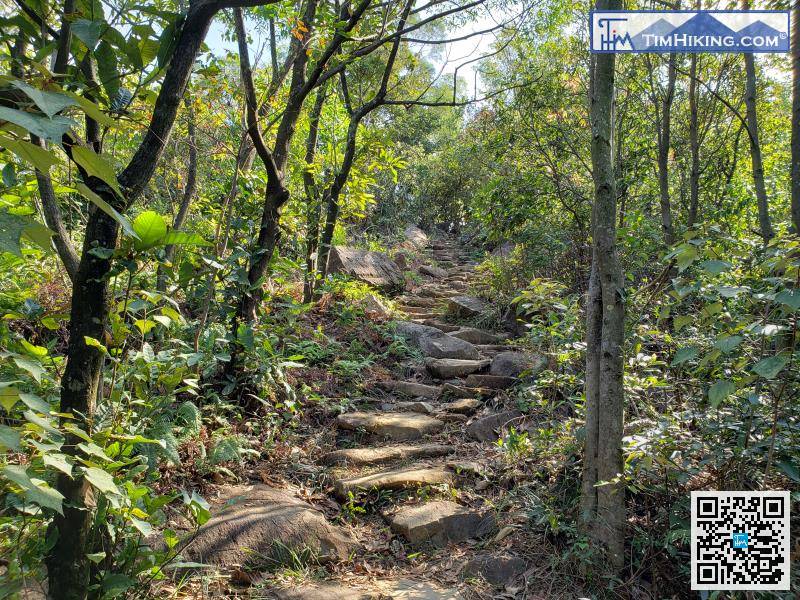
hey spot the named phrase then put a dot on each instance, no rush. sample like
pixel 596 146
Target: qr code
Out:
pixel 740 540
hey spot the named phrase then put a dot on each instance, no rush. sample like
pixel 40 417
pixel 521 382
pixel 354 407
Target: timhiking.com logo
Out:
pixel 689 31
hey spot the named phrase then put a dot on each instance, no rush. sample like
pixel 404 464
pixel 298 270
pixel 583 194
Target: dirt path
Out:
pixel 409 459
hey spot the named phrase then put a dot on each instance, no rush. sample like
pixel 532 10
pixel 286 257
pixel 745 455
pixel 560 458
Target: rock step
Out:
pixel 385 454
pixel 394 480
pixel 449 368
pixel 412 389
pixel 494 382
pixel 463 406
pixel 395 426
pixel 477 336
pixel 440 523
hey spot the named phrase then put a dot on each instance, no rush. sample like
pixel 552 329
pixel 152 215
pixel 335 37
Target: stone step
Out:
pixel 417 301
pixel 487 429
pixel 389 425
pixel 423 408
pixel 401 589
pixel 444 327
pixel 467 306
pixel 457 391
pixel 494 382
pixel 440 523
pixel 463 406
pixel 433 271
pixel 394 480
pixel 385 454
pixel 449 368
pixel 477 336
pixel 412 389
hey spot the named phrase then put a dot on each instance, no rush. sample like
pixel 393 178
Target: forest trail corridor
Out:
pixel 412 454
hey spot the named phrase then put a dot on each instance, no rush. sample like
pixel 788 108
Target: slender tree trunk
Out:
pixel 664 143
pixel 694 145
pixel 764 222
pixel 67 564
pixel 795 174
pixel 53 219
pixel 603 506
pixel 188 193
pixel 313 203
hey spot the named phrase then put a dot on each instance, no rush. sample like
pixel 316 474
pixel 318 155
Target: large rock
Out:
pixel 463 406
pixel 477 336
pixel 394 480
pixel 440 523
pixel 324 591
pixel 448 368
pixel 497 570
pixel 387 454
pixel 433 271
pixel 395 426
pixel 402 589
pixel 446 346
pixel 253 522
pixel 466 306
pixel 375 268
pixel 434 343
pixel 513 364
pixel 416 236
pixel 495 382
pixel 487 428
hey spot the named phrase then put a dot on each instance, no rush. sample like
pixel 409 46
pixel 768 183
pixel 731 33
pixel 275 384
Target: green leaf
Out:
pixel 11 229
pixel 107 208
pixel 143 526
pixel 107 69
pixel 144 325
pixel 9 394
pixel 682 321
pixel 41 126
pixel 180 238
pixel 728 343
pixel 38 157
pixel 42 422
pixel 9 438
pixel 151 229
pixel 101 480
pixel 58 461
pixel 715 267
pixel 96 166
pixel 790 298
pixel 96 557
pixel 90 341
pixel 92 110
pixel 39 235
pixel 790 470
pixel 720 391
pixel 9 174
pixel 88 31
pixel 36 492
pixel 167 43
pixel 34 368
pixel 684 354
pixel 769 367
pixel 50 103
pixel 33 402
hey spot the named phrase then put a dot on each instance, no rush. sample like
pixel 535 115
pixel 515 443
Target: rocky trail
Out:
pixel 412 455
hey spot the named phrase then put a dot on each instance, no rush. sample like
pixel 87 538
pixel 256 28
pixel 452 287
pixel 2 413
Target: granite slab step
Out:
pixel 400 426
pixel 383 455
pixel 394 480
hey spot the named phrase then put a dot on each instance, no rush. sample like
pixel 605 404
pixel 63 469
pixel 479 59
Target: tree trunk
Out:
pixel 186 199
pixel 603 506
pixel 313 203
pixel 67 565
pixel 664 142
pixel 795 178
pixel 764 222
pixel 694 145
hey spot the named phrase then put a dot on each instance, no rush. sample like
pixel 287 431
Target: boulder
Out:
pixel 414 332
pixel 466 306
pixel 375 268
pixel 448 368
pixel 486 429
pixel 394 480
pixel 512 364
pixel 253 522
pixel 433 271
pixel 387 454
pixel 445 327
pixel 497 570
pixel 445 346
pixel 494 382
pixel 440 522
pixel 464 406
pixel 477 336
pixel 395 426
pixel 416 236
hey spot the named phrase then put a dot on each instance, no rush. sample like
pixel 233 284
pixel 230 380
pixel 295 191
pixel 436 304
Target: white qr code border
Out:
pixel 725 535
